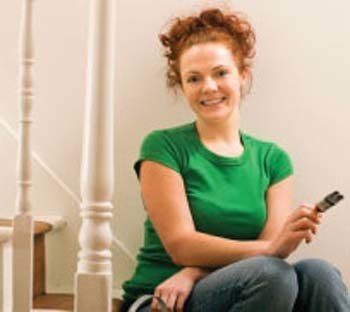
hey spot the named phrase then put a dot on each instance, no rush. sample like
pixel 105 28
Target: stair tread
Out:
pixel 49 310
pixel 40 227
pixel 56 301
pixel 62 302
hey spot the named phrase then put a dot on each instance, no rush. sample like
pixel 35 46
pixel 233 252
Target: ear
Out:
pixel 245 81
pixel 244 77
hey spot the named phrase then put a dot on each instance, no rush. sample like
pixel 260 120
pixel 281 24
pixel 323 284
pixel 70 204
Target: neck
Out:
pixel 226 132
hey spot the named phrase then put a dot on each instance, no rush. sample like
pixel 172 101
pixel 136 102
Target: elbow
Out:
pixel 180 259
pixel 180 253
pixel 177 259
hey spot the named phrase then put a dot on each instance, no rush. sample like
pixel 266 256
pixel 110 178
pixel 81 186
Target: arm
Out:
pixel 279 203
pixel 286 229
pixel 166 203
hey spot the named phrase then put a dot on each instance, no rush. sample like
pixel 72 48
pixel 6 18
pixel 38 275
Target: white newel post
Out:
pixel 93 280
pixel 23 223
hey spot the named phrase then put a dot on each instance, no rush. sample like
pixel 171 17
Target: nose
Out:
pixel 209 85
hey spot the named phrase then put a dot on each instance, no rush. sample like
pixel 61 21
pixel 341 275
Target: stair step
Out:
pixel 65 302
pixel 54 301
pixel 41 226
pixel 43 302
pixel 46 310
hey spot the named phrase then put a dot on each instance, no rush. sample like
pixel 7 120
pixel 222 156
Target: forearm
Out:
pixel 204 250
pixel 196 273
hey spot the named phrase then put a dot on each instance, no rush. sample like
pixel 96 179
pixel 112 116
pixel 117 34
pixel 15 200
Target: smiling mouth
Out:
pixel 212 101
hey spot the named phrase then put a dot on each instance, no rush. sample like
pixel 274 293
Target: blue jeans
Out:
pixel 269 284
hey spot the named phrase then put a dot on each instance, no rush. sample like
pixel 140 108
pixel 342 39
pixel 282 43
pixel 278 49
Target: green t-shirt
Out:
pixel 226 195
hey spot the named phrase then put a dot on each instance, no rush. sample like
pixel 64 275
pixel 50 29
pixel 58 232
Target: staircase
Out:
pixel 42 301
pixel 25 283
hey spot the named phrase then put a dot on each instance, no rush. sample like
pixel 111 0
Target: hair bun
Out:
pixel 212 17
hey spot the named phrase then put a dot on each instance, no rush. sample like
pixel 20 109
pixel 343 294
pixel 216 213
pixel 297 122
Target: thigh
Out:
pixel 244 285
pixel 215 291
pixel 228 286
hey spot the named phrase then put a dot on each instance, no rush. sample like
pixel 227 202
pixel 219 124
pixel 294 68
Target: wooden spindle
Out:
pixel 23 222
pixel 93 280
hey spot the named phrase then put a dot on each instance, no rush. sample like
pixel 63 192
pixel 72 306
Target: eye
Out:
pixel 222 73
pixel 192 79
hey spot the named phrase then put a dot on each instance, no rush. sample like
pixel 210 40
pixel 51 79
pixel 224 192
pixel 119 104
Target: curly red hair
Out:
pixel 211 25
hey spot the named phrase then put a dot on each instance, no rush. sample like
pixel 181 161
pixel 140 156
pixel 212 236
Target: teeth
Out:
pixel 212 102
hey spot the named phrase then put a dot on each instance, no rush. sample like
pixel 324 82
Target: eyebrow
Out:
pixel 196 72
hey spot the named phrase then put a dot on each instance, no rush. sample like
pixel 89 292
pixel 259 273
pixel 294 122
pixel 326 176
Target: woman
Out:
pixel 218 200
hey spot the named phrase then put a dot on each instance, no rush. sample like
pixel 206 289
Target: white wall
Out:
pixel 298 100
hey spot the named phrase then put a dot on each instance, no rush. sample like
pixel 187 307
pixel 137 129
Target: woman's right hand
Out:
pixel 301 224
pixel 176 289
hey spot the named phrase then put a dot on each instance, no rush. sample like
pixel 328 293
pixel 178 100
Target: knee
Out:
pixel 278 275
pixel 318 270
pixel 320 279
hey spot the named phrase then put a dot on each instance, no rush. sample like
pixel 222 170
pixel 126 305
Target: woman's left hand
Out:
pixel 175 290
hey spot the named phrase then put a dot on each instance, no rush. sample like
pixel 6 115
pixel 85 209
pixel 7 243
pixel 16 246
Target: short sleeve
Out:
pixel 159 147
pixel 279 164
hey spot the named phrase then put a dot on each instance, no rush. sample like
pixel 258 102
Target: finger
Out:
pixel 300 212
pixel 165 299
pixel 308 238
pixel 309 210
pixel 304 211
pixel 300 235
pixel 314 214
pixel 170 303
pixel 304 224
pixel 180 303
pixel 316 219
pixel 155 304
pixel 306 204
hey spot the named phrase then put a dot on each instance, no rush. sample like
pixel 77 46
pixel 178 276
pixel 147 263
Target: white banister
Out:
pixel 93 280
pixel 22 258
pixel 42 163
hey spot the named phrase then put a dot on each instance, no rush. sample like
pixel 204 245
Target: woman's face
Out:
pixel 211 81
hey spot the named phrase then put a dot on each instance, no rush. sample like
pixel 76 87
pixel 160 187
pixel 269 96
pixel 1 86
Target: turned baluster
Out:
pixel 22 248
pixel 93 280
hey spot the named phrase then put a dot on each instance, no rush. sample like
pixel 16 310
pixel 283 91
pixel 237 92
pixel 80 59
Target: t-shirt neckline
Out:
pixel 219 159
